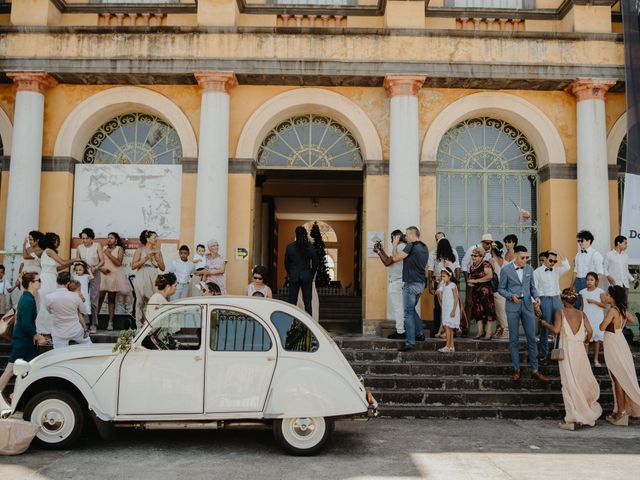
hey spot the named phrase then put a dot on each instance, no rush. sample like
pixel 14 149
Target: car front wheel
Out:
pixel 303 435
pixel 60 417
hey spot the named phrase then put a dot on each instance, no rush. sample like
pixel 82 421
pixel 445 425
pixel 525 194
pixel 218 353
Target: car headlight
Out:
pixel 21 368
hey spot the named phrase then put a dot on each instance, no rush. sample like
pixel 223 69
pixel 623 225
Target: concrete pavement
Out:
pixel 399 449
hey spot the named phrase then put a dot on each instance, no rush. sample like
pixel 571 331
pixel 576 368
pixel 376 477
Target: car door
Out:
pixel 164 372
pixel 241 359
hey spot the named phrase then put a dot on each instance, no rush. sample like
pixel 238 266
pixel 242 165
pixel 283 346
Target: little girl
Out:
pixel 593 305
pixel 82 276
pixel 448 298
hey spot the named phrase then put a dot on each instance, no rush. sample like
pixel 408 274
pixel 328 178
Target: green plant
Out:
pixel 123 343
pixel 322 275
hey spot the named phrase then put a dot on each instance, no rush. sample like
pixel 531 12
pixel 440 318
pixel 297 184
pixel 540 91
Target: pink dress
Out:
pixel 114 281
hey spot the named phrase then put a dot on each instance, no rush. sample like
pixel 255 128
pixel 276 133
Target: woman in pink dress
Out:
pixel 113 281
pixel 619 360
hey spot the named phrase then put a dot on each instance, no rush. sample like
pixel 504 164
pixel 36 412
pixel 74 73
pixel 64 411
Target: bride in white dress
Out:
pixel 50 262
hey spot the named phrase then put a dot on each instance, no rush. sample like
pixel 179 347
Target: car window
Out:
pixel 294 335
pixel 178 328
pixel 233 331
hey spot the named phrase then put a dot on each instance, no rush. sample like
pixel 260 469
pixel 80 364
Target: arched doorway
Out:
pixel 486 180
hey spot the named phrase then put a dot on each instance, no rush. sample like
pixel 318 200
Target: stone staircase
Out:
pixel 473 382
pixel 339 314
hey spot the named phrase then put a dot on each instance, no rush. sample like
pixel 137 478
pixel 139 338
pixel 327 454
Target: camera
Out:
pixel 377 245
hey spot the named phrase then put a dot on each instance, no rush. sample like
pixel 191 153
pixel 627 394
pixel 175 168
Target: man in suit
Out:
pixel 301 263
pixel 518 287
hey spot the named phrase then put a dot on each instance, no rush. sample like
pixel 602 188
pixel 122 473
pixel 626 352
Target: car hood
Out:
pixel 74 352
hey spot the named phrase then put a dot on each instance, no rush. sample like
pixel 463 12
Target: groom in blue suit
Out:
pixel 517 286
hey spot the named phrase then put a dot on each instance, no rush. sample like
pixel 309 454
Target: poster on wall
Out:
pixel 631 202
pixel 128 199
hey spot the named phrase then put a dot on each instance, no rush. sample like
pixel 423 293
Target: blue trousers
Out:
pixel 411 293
pixel 549 306
pixel 516 314
pixel 580 284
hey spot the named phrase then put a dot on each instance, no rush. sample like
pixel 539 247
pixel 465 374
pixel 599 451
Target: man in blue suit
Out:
pixel 518 287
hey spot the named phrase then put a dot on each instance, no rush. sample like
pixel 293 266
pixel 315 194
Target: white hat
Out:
pixel 487 238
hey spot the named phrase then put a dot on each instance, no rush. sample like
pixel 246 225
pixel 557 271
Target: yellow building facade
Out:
pixel 448 115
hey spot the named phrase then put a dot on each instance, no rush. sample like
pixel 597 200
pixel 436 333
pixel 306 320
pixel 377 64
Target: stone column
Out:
pixel 593 176
pixel 404 157
pixel 23 199
pixel 213 157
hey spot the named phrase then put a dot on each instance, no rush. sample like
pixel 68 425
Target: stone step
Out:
pixel 435 356
pixel 519 412
pixel 461 344
pixel 479 383
pixel 473 397
pixel 455 369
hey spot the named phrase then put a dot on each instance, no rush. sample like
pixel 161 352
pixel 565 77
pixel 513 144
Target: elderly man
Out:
pixel 65 308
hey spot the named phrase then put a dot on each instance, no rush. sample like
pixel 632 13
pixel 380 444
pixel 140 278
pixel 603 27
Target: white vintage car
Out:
pixel 208 362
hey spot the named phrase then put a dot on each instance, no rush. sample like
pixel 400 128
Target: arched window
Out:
pixel 486 182
pixel 134 138
pixel 622 170
pixel 310 142
pixel 326 230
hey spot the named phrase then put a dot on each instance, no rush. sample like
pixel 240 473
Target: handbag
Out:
pixel 557 354
pixel 16 435
pixel 7 322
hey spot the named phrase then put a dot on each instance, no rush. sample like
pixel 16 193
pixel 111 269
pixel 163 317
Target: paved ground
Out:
pixel 379 449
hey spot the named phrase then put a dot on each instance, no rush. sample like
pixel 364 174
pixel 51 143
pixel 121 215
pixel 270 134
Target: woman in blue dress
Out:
pixel 24 339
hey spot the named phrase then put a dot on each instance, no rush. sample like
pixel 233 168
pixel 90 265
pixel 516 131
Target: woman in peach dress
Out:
pixel 617 356
pixel 580 389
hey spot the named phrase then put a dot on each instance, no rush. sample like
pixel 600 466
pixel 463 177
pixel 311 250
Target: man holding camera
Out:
pixel 414 258
pixel 395 282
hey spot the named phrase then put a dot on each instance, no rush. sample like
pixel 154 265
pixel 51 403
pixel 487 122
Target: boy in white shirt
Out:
pixel 182 268
pixel 588 259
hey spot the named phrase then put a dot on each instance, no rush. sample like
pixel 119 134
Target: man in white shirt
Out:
pixel 616 264
pixel 394 275
pixel 64 307
pixel 547 281
pixel 588 259
pixel 182 268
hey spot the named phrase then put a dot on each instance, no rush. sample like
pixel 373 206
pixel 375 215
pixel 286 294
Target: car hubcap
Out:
pixel 52 421
pixel 304 426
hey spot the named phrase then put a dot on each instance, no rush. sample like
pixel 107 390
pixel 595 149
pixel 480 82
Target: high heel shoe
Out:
pixel 621 421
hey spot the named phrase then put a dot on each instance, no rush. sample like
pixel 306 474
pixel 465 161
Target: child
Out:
pixel 257 294
pixel 183 269
pixel 198 258
pixel 593 305
pixel 82 276
pixel 210 289
pixel 5 289
pixel 448 298
pixel 75 287
pixel 259 283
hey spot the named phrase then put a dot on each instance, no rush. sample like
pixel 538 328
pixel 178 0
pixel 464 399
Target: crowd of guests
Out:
pixel 504 292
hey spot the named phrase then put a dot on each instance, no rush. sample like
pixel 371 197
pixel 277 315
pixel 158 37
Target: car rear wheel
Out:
pixel 303 435
pixel 60 417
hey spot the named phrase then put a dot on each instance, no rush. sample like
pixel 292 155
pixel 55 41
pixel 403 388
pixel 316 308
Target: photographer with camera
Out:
pixel 414 258
pixel 394 273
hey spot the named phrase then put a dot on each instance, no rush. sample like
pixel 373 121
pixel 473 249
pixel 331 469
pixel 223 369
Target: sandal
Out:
pixel 444 350
pixel 487 337
pixel 567 426
pixel 110 326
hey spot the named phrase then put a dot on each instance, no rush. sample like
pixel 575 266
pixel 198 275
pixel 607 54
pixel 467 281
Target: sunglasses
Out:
pixel 553 261
pixel 526 258
pixel 257 278
pixel 475 255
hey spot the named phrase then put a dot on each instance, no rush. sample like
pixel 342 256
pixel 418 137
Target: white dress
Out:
pixel 48 275
pixel 594 313
pixel 84 289
pixel 448 301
